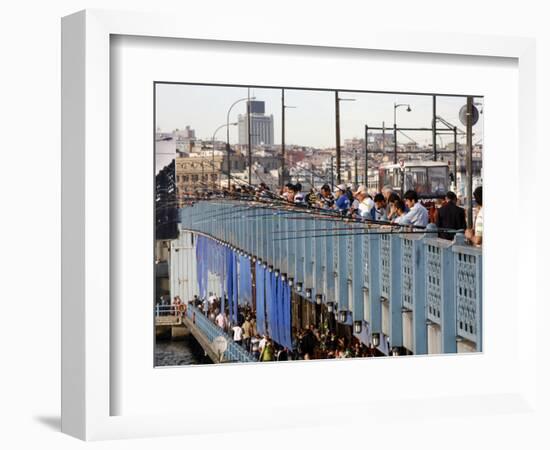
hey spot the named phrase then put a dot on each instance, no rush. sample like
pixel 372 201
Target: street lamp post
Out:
pixel 283 111
pixel 228 147
pixel 337 101
pixel 395 106
pixel 469 125
pixel 356 177
pixel 214 140
pixel 248 122
pixel 332 173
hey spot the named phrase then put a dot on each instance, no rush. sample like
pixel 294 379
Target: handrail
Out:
pixel 376 278
pixel 210 330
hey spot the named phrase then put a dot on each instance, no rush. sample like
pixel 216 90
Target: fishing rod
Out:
pixel 367 233
pixel 362 231
pixel 358 221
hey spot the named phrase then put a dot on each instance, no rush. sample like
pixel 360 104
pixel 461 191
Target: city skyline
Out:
pixel 311 120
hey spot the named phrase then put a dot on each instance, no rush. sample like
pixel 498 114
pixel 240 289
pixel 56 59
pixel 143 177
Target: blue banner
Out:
pixel 245 281
pixel 235 284
pixel 287 319
pixel 260 299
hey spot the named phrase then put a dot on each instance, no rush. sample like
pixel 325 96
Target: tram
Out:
pixel 430 179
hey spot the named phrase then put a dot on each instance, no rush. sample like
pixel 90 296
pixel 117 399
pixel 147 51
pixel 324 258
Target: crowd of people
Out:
pixel 385 207
pixel 388 207
pixel 307 343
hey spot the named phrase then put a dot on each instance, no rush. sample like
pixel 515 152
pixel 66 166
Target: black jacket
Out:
pixel 450 216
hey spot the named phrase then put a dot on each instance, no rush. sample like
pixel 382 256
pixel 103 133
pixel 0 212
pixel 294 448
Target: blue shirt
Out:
pixel 342 203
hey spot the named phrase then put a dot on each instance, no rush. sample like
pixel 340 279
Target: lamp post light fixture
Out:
pixel 319 299
pixel 357 326
pixel 343 315
pixel 338 144
pixel 375 339
pixel 228 147
pixel 330 307
pixel 214 140
pixel 308 293
pixel 395 106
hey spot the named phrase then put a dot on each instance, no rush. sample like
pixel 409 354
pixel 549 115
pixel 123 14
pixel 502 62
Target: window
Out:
pixel 437 180
pixel 416 179
pixel 194 178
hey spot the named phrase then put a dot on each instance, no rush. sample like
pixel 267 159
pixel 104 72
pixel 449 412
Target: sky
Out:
pixel 311 121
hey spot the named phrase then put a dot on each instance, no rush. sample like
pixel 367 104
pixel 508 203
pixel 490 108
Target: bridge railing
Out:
pixel 211 331
pixel 167 310
pixel 397 285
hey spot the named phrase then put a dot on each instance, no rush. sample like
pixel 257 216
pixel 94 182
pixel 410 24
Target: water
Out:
pixel 182 352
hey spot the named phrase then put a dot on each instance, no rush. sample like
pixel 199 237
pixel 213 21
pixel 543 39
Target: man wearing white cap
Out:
pixel 342 200
pixel 365 202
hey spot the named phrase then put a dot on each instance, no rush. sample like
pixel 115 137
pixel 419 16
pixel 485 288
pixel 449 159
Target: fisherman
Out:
pixel 417 214
pixel 342 201
pixel 378 212
pixel 365 201
pixel 475 235
pixel 450 216
pixel 326 199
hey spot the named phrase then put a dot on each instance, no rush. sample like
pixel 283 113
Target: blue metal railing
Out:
pixel 211 331
pixel 435 280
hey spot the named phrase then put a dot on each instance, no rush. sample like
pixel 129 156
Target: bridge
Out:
pixel 204 331
pixel 401 291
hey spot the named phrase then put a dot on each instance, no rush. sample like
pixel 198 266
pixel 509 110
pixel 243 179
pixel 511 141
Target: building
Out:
pixel 165 203
pixel 165 150
pixel 261 126
pixel 203 171
pixel 268 160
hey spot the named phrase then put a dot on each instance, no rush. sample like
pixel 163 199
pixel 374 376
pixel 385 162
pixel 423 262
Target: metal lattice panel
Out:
pixel 433 282
pixel 349 256
pixel 365 244
pixel 385 267
pixel 407 278
pixel 335 251
pixel 466 287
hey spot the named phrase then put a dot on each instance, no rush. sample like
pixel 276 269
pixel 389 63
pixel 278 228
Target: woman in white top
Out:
pixel 475 235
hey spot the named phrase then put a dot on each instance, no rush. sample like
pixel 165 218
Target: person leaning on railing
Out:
pixel 451 216
pixel 417 214
pixel 475 234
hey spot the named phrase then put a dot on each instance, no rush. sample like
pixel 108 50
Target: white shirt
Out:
pixel 220 320
pixel 255 342
pixel 478 223
pixel 402 220
pixel 237 333
pixel 417 215
pixel 365 206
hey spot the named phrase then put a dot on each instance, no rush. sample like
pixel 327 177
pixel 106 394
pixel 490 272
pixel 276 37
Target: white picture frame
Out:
pixel 86 324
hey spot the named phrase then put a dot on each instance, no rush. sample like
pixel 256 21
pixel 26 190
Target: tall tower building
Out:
pixel 261 126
